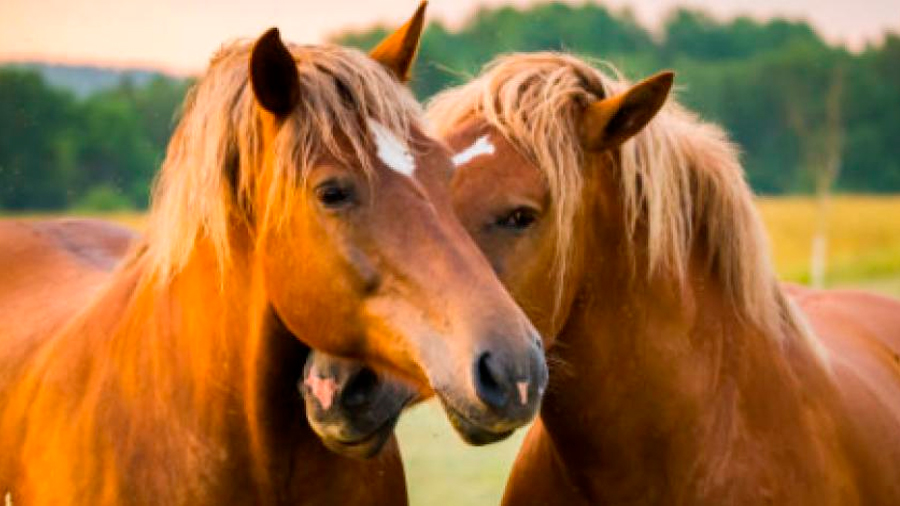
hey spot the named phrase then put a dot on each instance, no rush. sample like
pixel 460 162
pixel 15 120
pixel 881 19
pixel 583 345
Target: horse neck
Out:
pixel 202 323
pixel 173 375
pixel 665 376
pixel 253 361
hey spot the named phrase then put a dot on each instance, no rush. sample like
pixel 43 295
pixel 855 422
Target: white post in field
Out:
pixel 819 257
pixel 821 141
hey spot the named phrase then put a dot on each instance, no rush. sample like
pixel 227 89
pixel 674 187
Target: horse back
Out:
pixel 50 269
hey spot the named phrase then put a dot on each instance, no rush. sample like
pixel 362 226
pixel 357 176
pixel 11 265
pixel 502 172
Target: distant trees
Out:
pixel 767 82
pixel 38 151
pixel 746 74
pixel 100 152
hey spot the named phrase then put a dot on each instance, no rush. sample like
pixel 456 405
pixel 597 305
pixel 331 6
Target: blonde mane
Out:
pixel 682 184
pixel 213 161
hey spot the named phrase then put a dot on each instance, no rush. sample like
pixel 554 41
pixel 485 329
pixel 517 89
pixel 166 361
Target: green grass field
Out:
pixel 864 252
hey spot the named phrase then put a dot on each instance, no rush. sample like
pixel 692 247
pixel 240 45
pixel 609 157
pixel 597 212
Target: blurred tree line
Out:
pixel 98 153
pixel 769 83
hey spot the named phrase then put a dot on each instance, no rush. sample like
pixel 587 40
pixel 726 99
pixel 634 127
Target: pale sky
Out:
pixel 180 35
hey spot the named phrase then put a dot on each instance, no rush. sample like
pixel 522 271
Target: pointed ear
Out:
pixel 273 74
pixel 609 122
pixel 398 50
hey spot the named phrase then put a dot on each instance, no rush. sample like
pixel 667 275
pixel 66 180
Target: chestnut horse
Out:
pixel 682 372
pixel 299 197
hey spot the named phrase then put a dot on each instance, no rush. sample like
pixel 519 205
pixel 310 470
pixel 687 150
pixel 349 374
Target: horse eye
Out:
pixel 519 218
pixel 334 195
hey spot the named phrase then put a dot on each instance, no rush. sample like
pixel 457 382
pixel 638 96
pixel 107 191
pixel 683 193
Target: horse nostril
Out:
pixel 489 382
pixel 359 389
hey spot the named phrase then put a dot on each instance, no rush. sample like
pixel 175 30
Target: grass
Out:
pixel 441 469
pixel 864 252
pixel 863 239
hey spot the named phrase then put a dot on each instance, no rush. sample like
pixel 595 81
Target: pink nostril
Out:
pixel 523 391
pixel 323 389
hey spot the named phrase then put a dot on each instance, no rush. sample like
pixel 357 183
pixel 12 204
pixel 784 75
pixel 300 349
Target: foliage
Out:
pixel 38 147
pixel 58 151
pixel 749 75
pixel 102 199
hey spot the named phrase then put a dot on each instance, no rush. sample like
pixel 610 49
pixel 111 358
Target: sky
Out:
pixel 180 35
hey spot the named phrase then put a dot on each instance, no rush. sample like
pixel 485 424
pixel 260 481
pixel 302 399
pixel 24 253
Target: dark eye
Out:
pixel 335 195
pixel 519 218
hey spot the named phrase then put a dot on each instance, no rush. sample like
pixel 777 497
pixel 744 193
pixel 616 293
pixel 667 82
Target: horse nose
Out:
pixel 503 384
pixel 491 383
pixel 359 389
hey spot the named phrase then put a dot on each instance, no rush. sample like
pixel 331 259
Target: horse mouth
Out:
pixel 473 433
pixel 366 446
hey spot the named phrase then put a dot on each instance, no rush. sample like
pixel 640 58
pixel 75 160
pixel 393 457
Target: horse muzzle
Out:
pixel 349 406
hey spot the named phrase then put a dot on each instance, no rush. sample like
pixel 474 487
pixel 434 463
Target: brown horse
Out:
pixel 682 371
pixel 299 197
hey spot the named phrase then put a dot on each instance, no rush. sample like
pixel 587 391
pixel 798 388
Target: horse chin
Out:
pixel 472 433
pixel 364 447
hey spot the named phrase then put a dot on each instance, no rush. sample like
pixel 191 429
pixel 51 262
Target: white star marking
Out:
pixel 391 150
pixel 480 147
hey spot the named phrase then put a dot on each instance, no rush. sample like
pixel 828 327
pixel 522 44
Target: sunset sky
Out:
pixel 180 35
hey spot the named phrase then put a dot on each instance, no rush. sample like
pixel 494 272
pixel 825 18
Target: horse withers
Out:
pixel 299 199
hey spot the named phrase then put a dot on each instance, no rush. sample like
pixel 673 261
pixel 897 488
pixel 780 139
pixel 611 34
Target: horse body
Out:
pixel 58 266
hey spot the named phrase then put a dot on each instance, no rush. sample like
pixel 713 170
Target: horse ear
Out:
pixel 398 50
pixel 609 122
pixel 273 74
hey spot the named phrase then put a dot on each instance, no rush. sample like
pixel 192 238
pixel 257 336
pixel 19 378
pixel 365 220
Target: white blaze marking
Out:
pixel 391 150
pixel 482 146
pixel 523 391
pixel 8 500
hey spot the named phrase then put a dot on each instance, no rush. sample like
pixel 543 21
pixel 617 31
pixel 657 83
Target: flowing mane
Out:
pixel 682 184
pixel 208 171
